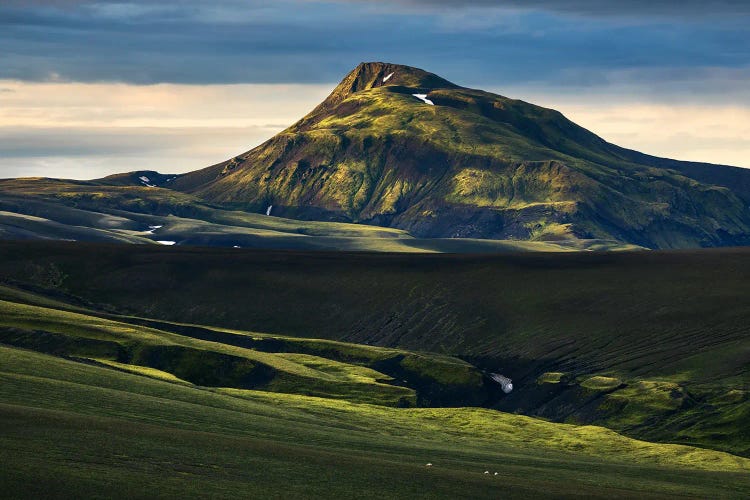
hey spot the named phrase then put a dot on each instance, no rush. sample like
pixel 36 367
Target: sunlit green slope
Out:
pixel 78 430
pixel 397 146
pixel 111 210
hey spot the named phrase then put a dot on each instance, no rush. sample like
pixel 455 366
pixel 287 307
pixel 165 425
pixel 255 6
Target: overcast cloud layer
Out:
pixel 229 41
pixel 619 8
pixel 592 58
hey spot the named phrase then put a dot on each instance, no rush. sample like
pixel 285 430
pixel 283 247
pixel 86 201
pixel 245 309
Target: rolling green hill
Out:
pixel 96 404
pixel 652 344
pixel 123 435
pixel 400 147
pixel 113 209
pixel 241 360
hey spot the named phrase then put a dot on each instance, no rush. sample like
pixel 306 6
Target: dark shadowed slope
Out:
pixel 654 344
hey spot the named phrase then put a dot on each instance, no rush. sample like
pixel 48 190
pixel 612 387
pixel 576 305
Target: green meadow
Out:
pixel 74 429
pixel 170 372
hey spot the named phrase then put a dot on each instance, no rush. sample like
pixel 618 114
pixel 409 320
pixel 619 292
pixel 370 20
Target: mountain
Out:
pixel 399 147
pixel 397 159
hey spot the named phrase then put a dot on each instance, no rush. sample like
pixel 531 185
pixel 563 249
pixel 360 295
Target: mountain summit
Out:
pixel 401 147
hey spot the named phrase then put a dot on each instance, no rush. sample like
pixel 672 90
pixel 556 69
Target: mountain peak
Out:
pixel 370 75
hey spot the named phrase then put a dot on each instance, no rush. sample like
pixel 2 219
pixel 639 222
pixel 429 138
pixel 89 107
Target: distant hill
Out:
pixel 125 208
pixel 400 147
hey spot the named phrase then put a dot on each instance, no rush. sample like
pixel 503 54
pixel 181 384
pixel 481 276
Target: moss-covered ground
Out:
pixel 72 429
pixel 640 343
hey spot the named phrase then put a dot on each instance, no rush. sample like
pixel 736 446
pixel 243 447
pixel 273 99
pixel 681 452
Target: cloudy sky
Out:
pixel 99 86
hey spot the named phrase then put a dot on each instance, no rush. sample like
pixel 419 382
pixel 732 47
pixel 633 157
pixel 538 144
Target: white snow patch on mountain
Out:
pixel 423 98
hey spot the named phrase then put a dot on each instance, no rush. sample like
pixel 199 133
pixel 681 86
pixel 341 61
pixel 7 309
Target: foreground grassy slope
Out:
pixel 123 435
pixel 658 323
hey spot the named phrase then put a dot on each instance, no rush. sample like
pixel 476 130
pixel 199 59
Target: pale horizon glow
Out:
pixel 712 133
pixel 88 130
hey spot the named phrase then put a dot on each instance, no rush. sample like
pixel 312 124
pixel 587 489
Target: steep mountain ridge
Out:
pixel 400 147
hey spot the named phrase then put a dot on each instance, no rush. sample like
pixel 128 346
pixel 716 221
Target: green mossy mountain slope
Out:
pixel 473 165
pixel 122 209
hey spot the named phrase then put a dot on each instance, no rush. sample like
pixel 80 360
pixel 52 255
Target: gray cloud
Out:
pixel 674 8
pixel 287 41
pixel 678 8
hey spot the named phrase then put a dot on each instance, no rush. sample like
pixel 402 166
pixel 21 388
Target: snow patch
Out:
pixel 268 210
pixel 423 98
pixel 387 77
pixel 155 227
pixel 166 242
pixel 146 181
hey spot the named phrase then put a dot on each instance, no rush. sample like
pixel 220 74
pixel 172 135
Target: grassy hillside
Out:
pixel 472 164
pixel 242 360
pixel 73 430
pixel 110 210
pixel 643 342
